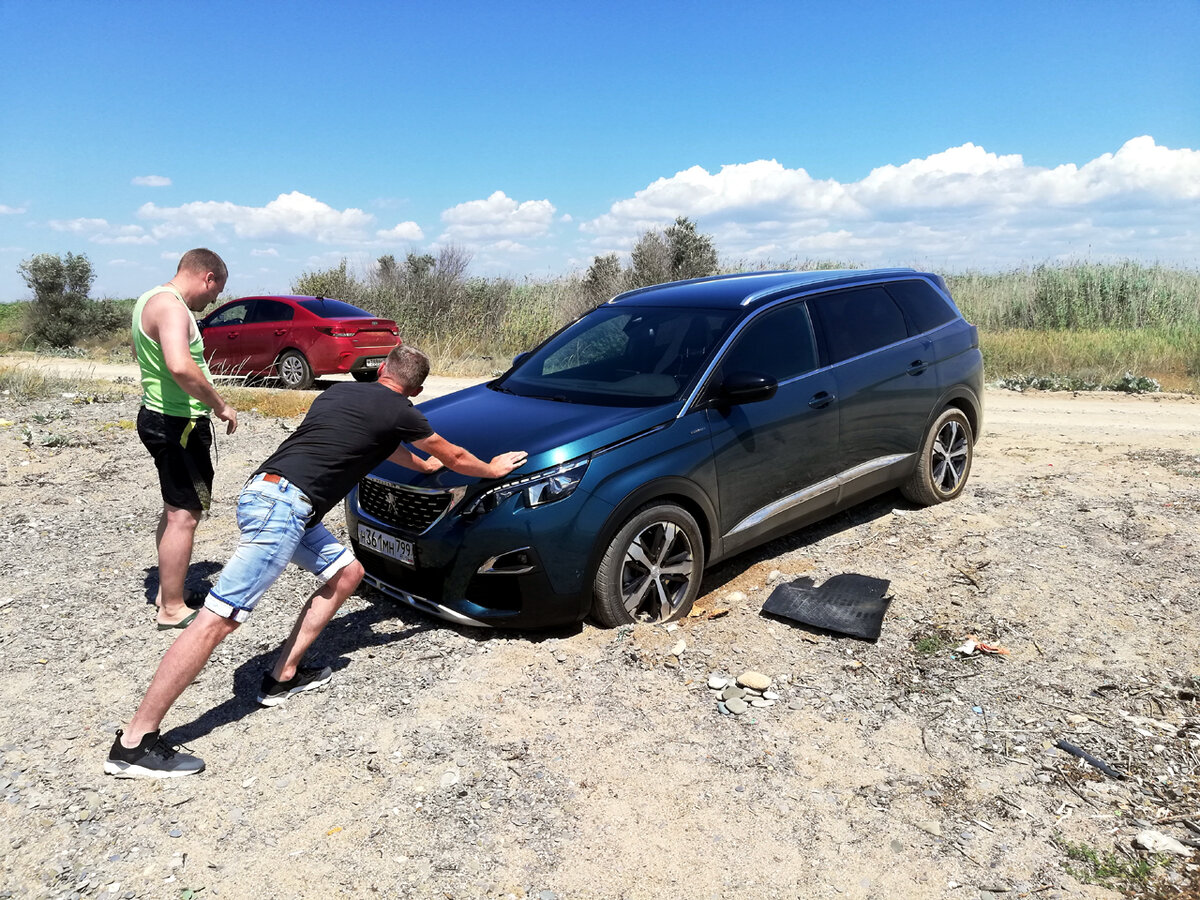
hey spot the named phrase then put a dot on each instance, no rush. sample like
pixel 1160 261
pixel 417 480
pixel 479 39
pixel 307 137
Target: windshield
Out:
pixel 622 356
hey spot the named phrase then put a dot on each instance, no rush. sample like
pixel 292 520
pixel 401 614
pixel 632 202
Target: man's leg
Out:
pixel 175 536
pixel 313 618
pixel 179 668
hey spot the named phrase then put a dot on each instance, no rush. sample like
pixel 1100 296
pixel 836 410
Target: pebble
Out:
pixel 735 597
pixel 678 649
pixel 450 779
pixel 176 832
pixel 771 695
pixel 759 703
pixel 754 680
pixel 736 705
pixel 717 682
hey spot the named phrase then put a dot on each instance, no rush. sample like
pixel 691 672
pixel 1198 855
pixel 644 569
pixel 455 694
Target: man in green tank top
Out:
pixel 173 422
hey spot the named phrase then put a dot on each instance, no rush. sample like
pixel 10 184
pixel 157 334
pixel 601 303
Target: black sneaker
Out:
pixel 273 692
pixel 152 758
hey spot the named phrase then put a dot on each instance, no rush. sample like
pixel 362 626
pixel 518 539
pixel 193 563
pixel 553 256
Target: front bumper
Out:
pixel 510 568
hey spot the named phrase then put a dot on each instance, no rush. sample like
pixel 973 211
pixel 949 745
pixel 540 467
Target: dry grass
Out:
pixel 277 403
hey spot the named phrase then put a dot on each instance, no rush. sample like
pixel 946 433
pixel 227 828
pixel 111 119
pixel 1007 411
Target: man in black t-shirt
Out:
pixel 350 429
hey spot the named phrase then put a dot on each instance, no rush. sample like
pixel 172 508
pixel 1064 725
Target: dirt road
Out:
pixel 449 762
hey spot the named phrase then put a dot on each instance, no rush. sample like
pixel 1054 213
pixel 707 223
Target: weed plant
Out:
pixel 23 384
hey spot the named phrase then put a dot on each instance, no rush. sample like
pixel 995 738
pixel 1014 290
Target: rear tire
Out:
pixel 945 462
pixel 652 568
pixel 294 371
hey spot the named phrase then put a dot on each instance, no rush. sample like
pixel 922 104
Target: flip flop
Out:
pixel 182 623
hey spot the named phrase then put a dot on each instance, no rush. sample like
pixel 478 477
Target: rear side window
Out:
pixel 777 343
pixel 272 311
pixel 850 323
pixel 925 308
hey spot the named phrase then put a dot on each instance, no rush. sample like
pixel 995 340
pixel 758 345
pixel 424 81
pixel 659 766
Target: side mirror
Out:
pixel 519 358
pixel 745 387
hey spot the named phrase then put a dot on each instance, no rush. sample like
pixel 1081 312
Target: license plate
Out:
pixel 386 545
pixel 374 362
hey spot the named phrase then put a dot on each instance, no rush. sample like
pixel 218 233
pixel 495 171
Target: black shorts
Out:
pixel 181 448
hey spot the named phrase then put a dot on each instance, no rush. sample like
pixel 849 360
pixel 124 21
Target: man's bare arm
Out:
pixel 167 322
pixel 461 460
pixel 404 457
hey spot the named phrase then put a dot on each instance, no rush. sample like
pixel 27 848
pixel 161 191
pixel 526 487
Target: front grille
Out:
pixel 410 509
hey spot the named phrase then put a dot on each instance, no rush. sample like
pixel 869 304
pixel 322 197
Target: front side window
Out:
pixel 777 343
pixel 621 356
pixel 850 323
pixel 230 315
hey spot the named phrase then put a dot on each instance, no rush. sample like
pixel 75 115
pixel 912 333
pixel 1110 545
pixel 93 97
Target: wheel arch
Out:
pixel 680 491
pixel 966 401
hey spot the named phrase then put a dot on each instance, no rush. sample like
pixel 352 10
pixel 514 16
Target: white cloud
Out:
pixel 269 251
pixel 499 217
pixel 961 207
pixel 6 210
pixel 151 181
pixel 405 231
pixel 293 216
pixel 99 231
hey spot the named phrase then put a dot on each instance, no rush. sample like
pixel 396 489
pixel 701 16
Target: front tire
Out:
pixel 945 462
pixel 652 568
pixel 294 371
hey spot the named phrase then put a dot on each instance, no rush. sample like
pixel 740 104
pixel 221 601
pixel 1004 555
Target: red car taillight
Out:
pixel 335 330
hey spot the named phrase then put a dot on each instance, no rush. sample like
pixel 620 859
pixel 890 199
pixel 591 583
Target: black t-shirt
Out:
pixel 349 430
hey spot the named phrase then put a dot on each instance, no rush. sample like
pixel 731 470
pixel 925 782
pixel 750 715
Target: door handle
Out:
pixel 821 400
pixel 917 366
pixel 280 331
pixel 231 335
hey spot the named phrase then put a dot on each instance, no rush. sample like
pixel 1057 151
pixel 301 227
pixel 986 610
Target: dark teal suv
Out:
pixel 670 428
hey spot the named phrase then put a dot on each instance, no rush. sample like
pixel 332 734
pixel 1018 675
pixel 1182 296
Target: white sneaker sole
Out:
pixel 277 699
pixel 133 770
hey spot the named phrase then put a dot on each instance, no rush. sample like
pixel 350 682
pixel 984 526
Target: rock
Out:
pixel 773 576
pixel 735 597
pixel 450 779
pixel 678 649
pixel 732 692
pixel 736 705
pixel 1157 842
pixel 771 695
pixel 931 827
pixel 755 680
pixel 759 703
pixel 717 682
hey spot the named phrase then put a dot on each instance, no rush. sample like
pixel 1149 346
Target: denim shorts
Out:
pixel 273 519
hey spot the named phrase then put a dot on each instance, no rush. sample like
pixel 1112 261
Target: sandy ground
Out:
pixel 450 762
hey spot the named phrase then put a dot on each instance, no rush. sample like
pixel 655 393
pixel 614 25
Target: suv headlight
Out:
pixel 540 488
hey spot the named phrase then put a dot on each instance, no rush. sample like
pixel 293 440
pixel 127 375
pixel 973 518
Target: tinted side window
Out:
pixel 272 311
pixel 925 308
pixel 231 315
pixel 857 321
pixel 777 343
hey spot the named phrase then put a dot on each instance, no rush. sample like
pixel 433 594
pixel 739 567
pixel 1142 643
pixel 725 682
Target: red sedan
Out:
pixel 296 339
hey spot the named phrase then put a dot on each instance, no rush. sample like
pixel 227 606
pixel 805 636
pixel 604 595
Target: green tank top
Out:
pixel 160 393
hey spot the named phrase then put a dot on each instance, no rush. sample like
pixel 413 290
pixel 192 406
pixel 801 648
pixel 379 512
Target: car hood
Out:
pixel 488 422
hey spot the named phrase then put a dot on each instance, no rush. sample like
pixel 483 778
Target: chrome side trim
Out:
pixel 425 606
pixel 812 491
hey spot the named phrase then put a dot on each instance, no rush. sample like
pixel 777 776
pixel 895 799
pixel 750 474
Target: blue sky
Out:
pixel 288 135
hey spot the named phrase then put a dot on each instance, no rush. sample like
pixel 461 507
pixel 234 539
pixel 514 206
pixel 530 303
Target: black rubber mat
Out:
pixel 848 604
